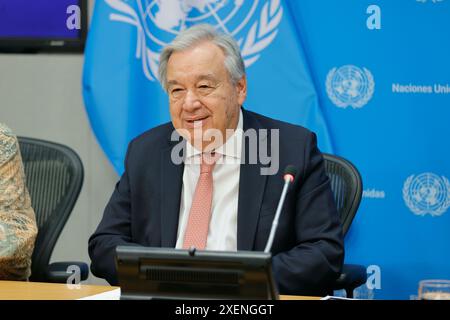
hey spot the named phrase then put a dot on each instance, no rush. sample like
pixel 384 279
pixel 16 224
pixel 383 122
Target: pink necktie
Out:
pixel 200 213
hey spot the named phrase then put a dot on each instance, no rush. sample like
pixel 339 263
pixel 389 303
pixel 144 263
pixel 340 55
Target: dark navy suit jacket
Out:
pixel 144 208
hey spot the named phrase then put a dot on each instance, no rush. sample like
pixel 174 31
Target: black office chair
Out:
pixel 346 184
pixel 54 176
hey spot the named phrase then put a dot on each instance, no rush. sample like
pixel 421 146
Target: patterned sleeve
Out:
pixel 18 228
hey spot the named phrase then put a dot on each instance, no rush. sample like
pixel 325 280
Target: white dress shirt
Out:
pixel 222 234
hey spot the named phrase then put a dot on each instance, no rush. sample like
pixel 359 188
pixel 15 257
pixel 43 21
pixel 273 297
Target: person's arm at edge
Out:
pixel 18 227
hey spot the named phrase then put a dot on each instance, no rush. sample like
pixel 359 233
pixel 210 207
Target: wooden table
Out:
pixel 20 290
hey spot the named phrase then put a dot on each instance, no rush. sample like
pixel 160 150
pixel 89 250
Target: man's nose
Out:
pixel 191 101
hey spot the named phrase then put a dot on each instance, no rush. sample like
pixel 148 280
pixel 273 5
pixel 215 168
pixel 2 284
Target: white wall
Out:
pixel 41 97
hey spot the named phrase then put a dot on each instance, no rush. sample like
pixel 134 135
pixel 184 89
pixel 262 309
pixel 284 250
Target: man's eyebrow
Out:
pixel 209 76
pixel 172 82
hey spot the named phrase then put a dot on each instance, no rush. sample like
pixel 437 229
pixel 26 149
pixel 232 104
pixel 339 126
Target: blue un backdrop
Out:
pixel 371 78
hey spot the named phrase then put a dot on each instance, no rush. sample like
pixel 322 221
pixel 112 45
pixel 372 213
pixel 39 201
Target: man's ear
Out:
pixel 241 88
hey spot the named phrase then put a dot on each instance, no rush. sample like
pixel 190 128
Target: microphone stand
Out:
pixel 287 181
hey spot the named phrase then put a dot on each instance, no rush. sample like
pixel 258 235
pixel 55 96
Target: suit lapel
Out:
pixel 171 186
pixel 251 191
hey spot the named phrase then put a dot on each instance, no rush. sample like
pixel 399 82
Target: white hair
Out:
pixel 199 33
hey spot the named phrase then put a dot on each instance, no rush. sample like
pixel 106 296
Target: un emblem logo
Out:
pixel 427 193
pixel 253 23
pixel 350 86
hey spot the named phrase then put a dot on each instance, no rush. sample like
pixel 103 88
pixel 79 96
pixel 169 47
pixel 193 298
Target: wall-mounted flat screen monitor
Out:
pixel 43 25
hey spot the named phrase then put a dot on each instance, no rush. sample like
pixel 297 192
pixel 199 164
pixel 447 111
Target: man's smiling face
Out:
pixel 202 95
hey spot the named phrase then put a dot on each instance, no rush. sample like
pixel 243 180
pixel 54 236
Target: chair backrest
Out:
pixel 54 176
pixel 346 184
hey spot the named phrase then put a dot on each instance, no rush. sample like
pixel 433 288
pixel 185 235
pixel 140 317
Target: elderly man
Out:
pixel 217 198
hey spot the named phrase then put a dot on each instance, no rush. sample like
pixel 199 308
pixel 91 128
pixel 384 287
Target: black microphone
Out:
pixel 289 176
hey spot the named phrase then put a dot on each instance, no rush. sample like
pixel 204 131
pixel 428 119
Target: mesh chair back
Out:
pixel 346 184
pixel 54 176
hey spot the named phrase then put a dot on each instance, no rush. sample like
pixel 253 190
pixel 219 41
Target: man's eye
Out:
pixel 177 90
